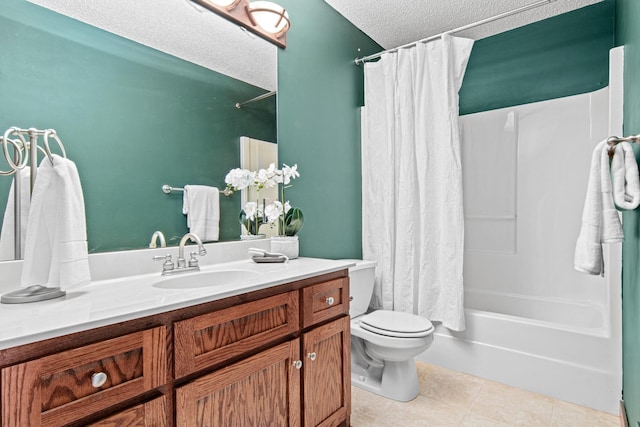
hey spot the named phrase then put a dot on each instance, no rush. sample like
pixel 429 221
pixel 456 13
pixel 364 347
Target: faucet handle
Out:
pixel 193 262
pixel 168 264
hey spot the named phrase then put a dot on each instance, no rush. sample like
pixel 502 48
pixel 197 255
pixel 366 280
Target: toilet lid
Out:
pixel 396 324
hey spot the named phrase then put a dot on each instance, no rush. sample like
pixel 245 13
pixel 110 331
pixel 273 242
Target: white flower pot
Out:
pixel 287 245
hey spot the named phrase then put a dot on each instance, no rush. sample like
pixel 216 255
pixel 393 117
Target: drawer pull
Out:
pixel 312 356
pixel 330 301
pixel 98 379
pixel 297 364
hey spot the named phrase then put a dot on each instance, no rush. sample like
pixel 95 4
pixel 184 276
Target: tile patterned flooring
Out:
pixel 449 398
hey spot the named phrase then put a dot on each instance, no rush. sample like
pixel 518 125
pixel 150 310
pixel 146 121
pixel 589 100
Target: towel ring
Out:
pixel 22 162
pixel 16 149
pixel 51 132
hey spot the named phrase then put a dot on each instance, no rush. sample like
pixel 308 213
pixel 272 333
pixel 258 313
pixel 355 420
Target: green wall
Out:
pixel 560 56
pixel 131 118
pixel 628 34
pixel 320 90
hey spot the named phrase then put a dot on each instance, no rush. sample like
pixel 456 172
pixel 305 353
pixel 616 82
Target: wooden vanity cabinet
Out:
pixel 273 357
pixel 304 381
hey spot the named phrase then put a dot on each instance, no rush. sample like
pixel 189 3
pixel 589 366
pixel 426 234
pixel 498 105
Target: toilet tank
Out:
pixel 361 280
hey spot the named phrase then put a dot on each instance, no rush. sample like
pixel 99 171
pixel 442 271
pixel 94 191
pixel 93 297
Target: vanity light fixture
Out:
pixel 269 16
pixel 226 4
pixel 263 18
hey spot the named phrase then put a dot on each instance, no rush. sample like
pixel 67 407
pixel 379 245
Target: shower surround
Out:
pixel 532 320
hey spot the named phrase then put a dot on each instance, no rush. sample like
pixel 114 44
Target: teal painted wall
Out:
pixel 132 119
pixel 319 92
pixel 560 56
pixel 628 34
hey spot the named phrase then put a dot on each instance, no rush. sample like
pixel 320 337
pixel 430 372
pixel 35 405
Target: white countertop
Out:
pixel 113 300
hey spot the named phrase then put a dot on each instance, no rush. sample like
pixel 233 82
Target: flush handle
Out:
pixel 98 379
pixel 297 364
pixel 330 301
pixel 312 356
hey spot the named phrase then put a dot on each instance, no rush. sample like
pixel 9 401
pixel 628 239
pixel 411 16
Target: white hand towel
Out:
pixel 201 204
pixel 600 220
pixel 611 227
pixel 56 244
pixel 624 175
pixel 7 236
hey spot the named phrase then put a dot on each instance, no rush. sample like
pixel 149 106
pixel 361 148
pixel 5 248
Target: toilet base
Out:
pixel 393 380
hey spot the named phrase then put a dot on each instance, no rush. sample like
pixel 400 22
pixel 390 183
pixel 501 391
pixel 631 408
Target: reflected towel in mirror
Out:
pixel 201 204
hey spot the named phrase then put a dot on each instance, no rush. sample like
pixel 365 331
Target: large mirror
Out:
pixel 131 116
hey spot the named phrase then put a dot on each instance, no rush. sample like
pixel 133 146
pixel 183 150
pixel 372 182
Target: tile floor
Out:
pixel 449 398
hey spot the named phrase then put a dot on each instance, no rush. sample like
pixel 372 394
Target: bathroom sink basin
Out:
pixel 206 279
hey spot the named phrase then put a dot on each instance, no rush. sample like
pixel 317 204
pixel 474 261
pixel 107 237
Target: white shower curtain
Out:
pixel 413 222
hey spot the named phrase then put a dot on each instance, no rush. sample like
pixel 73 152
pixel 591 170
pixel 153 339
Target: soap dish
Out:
pixel 269 259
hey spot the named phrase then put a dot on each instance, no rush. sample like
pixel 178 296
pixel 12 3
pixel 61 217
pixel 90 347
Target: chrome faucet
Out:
pixel 154 240
pixel 181 265
pixel 193 262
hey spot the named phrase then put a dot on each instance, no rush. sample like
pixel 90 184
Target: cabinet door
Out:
pixel 70 385
pixel 327 374
pixel 262 390
pixel 149 414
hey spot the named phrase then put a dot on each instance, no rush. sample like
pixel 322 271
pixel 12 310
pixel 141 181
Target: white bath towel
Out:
pixel 624 176
pixel 56 244
pixel 7 236
pixel 201 204
pixel 600 220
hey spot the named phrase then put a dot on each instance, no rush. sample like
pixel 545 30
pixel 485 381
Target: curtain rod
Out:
pixel 257 98
pixel 359 61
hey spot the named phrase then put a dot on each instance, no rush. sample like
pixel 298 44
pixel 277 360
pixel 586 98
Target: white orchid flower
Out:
pixel 273 210
pixel 240 178
pixel 250 210
pixel 289 173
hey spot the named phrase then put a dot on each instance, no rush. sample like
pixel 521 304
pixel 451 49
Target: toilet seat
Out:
pixel 396 324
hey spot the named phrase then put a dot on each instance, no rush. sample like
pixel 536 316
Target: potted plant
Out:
pixel 288 219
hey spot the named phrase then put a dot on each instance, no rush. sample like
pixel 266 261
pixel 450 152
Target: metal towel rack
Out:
pixel 25 152
pixel 167 189
pixel 614 140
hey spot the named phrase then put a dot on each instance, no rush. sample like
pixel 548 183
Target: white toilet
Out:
pixel 384 343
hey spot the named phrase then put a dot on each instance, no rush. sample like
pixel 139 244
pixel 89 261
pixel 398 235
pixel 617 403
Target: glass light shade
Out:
pixel 271 17
pixel 227 4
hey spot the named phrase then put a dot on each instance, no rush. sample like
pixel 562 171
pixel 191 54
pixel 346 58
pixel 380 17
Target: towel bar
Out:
pixel 167 189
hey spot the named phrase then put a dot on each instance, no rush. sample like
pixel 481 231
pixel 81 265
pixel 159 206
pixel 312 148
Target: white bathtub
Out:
pixel 557 348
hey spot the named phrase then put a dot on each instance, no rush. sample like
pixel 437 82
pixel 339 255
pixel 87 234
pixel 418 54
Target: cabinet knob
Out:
pixel 312 356
pixel 330 301
pixel 297 364
pixel 98 379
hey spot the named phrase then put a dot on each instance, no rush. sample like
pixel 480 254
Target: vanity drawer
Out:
pixel 325 301
pixel 67 386
pixel 212 338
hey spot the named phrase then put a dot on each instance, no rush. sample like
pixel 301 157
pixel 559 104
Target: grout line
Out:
pixel 473 402
pixel 553 412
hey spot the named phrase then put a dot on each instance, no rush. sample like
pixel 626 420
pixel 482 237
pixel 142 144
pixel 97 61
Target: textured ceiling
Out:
pixel 394 23
pixel 182 29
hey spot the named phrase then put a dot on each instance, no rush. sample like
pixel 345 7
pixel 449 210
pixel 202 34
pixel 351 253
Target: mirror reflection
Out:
pixel 256 154
pixel 131 118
